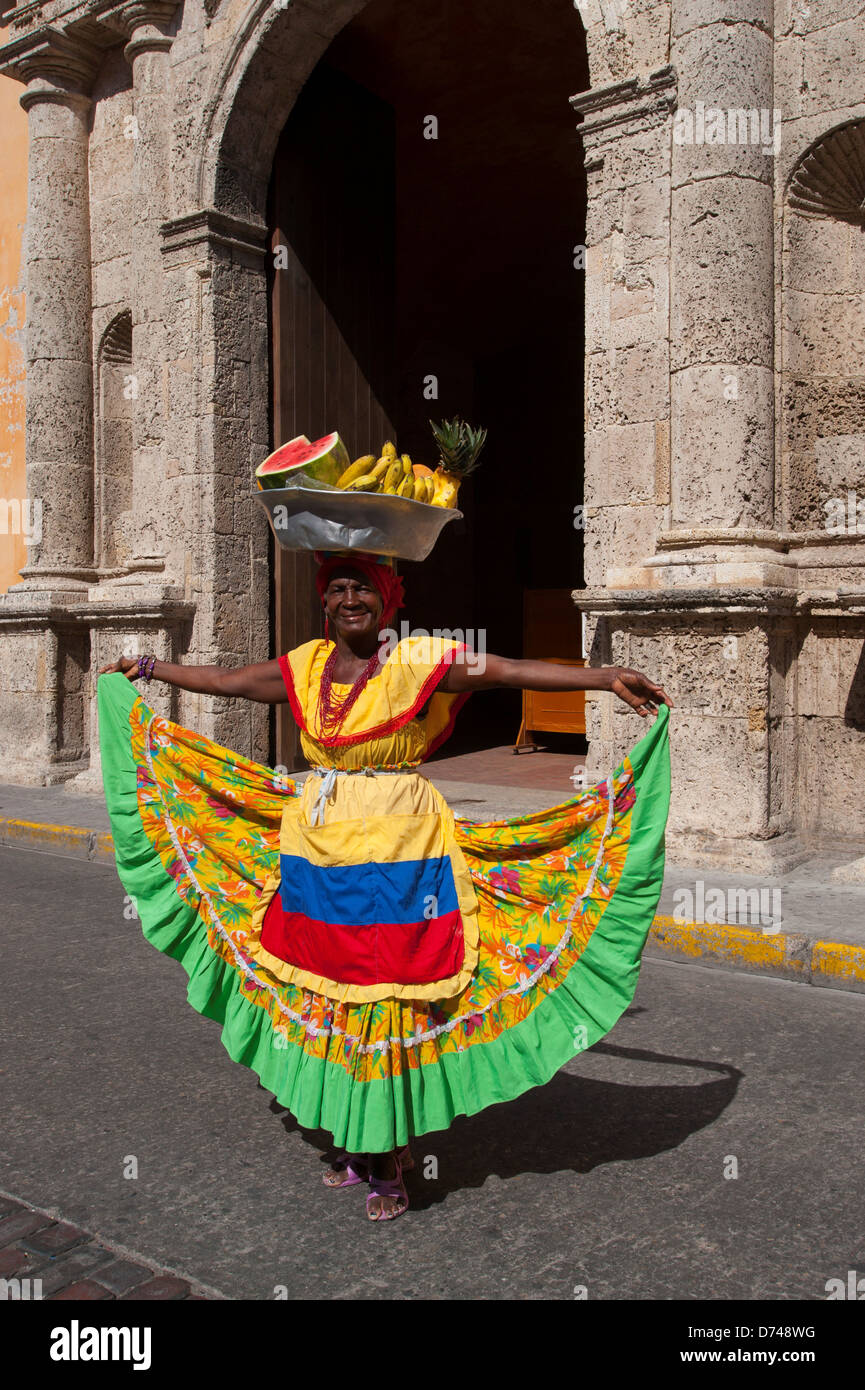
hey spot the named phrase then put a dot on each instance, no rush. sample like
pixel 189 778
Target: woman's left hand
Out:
pixel 127 665
pixel 637 690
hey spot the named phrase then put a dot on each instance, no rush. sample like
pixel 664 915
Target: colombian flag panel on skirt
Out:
pixel 367 923
pixel 375 902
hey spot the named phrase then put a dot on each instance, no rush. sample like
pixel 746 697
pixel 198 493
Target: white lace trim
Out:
pixel 412 1040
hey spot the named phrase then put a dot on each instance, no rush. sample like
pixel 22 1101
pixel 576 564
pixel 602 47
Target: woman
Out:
pixel 381 968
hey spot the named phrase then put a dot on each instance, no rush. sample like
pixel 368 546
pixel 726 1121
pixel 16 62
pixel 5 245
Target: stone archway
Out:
pixel 216 349
pixel 273 52
pixel 254 92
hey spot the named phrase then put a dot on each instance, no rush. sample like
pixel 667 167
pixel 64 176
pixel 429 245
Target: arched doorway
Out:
pixel 409 258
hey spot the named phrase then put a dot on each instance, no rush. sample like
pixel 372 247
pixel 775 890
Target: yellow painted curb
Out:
pixel 840 961
pixel 742 944
pixel 76 841
pixel 792 956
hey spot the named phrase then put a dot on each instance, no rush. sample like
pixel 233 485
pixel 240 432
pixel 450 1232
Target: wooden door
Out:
pixel 333 322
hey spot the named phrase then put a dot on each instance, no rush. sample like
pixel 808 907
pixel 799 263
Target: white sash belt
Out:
pixel 328 784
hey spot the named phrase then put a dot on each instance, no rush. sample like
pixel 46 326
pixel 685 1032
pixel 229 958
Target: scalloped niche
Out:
pixel 830 180
pixel 823 330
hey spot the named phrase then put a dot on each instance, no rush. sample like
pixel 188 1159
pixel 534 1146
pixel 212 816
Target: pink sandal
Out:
pixel 353 1164
pixel 388 1187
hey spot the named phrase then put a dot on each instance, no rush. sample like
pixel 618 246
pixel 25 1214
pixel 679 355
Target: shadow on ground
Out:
pixel 573 1123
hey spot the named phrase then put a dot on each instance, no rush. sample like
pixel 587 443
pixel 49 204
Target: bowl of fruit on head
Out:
pixel 316 498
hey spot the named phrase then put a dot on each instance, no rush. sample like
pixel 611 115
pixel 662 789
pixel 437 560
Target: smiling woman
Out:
pixel 379 966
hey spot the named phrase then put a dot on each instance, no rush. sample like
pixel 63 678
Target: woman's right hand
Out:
pixel 637 690
pixel 127 666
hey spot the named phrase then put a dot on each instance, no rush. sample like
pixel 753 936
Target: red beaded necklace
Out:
pixel 332 711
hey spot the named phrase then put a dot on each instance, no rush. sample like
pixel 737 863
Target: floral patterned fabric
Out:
pixel 543 882
pixel 214 820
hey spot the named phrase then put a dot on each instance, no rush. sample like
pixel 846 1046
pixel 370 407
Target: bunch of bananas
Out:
pixel 391 474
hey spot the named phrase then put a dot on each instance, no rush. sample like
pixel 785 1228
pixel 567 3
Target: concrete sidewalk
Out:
pixel 806 925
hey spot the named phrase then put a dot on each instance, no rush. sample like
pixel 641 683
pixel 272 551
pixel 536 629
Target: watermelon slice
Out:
pixel 326 459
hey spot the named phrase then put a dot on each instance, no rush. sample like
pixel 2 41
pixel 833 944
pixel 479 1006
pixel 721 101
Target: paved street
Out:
pixel 611 1177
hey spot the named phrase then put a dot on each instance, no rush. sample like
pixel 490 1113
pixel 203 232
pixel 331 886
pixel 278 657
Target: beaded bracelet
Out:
pixel 145 667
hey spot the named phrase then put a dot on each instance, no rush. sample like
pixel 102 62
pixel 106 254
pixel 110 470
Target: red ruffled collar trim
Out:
pixel 389 726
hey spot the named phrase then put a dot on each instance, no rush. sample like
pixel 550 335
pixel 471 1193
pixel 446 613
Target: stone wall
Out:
pixel 724 307
pixel 723 297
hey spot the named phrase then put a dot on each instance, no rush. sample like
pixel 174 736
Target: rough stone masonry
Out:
pixel 724 377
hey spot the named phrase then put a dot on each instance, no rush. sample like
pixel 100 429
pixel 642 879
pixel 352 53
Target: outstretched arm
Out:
pixel 494 672
pixel 262 681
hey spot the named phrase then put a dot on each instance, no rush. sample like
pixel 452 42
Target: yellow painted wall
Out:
pixel 13 213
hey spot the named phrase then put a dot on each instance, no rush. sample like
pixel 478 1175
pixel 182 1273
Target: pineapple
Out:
pixel 459 447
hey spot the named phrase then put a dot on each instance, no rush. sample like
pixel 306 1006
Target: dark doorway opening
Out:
pixel 451 258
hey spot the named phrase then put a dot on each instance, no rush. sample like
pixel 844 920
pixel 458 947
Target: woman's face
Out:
pixel 353 604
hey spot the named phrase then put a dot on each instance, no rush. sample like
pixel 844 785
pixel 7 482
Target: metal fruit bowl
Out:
pixel 310 516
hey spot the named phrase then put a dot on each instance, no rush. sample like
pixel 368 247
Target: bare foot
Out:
pixel 380 1207
pixel 338 1174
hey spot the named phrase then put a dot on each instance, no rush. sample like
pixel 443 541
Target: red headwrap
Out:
pixel 379 572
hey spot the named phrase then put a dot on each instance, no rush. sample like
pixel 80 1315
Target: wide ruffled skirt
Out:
pixel 565 899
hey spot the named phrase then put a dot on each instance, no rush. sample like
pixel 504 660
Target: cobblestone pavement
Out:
pixel 41 1257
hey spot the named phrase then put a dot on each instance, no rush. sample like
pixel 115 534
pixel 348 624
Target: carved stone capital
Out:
pixel 51 60
pixel 146 22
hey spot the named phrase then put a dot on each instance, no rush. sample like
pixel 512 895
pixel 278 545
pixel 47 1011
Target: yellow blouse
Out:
pixel 399 718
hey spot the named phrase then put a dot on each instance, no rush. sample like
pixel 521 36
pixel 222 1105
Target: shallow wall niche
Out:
pixel 114 523
pixel 73 695
pixel 823 330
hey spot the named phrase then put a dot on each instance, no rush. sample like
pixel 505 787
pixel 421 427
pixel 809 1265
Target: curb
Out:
pixel 796 957
pixel 74 841
pixel 828 964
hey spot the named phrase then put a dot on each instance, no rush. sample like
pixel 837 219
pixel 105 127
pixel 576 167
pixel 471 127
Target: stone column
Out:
pixel 721 257
pixel 59 421
pixel 218 432
pixel 147 52
pixel 686 576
